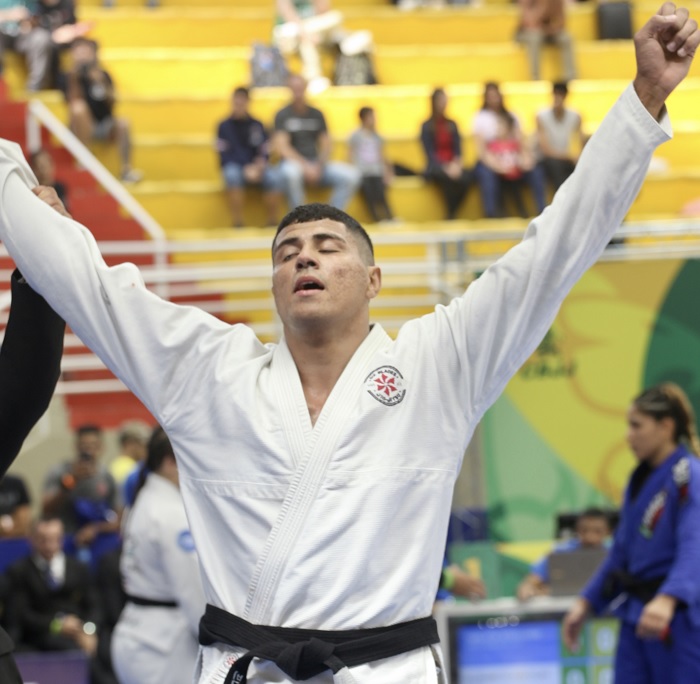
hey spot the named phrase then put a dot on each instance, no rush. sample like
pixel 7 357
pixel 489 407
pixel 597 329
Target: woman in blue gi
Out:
pixel 651 577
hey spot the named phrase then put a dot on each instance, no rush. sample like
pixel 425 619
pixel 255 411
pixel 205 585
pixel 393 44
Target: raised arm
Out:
pixel 504 315
pixel 153 346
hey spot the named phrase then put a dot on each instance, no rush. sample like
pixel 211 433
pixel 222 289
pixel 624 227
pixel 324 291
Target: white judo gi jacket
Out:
pixel 341 525
pixel 156 644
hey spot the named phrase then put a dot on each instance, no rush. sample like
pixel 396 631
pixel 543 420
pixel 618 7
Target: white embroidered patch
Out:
pixel 386 385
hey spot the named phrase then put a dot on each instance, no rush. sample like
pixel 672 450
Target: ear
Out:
pixel 669 427
pixel 375 281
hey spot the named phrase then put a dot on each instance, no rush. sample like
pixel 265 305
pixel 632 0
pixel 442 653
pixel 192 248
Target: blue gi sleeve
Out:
pixel 683 580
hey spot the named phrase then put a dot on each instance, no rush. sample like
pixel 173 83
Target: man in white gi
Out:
pixel 317 474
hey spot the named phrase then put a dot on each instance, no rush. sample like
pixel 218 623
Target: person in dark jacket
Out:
pixel 30 361
pixel 443 151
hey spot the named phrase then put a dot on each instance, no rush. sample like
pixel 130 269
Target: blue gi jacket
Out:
pixel 658 537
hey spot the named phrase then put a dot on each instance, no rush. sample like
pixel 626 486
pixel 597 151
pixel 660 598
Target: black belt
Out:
pixel 305 653
pixel 642 589
pixel 154 603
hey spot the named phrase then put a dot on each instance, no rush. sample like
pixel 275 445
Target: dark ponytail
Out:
pixel 668 400
pixel 158 448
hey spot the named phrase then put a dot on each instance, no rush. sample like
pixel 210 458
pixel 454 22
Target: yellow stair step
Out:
pixel 202 204
pixel 400 109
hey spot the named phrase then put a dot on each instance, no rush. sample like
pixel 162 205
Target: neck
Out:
pixel 662 455
pixel 320 359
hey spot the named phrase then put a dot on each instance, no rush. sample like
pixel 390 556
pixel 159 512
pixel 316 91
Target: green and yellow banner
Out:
pixel 555 440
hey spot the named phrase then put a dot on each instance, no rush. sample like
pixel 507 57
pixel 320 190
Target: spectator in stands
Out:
pixel 52 605
pixel 243 146
pixel 19 33
pixel 592 532
pixel 304 25
pixel 91 99
pixel 44 168
pixel 302 141
pixel 133 438
pixel 513 162
pixel 366 149
pixel 442 144
pixel 15 507
pixel 485 128
pixel 82 493
pixel 58 18
pixel 544 21
pixel 560 137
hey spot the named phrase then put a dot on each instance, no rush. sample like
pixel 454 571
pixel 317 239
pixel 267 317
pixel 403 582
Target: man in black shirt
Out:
pixel 91 99
pixel 243 147
pixel 15 508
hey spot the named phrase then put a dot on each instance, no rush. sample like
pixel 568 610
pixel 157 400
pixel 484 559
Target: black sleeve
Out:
pixel 30 363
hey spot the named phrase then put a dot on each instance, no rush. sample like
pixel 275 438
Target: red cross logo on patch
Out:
pixel 386 385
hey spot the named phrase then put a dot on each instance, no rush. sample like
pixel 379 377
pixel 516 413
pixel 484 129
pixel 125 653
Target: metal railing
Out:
pixel 416 284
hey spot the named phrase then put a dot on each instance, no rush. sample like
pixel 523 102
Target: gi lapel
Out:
pixel 311 451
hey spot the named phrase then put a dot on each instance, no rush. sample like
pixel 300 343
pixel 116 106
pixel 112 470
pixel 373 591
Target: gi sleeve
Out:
pixel 483 337
pixel 152 345
pixel 30 364
pixel 683 580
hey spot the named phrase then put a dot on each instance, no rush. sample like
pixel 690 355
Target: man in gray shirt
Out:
pixel 304 145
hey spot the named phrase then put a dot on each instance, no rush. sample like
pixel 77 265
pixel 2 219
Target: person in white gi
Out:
pixel 155 639
pixel 317 473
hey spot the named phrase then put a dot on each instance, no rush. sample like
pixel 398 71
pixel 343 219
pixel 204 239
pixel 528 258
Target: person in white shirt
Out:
pixel 155 639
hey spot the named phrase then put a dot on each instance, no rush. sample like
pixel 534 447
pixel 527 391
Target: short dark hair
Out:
pixel 159 448
pixel 560 87
pixel 594 513
pixel 88 429
pixel 242 90
pixel 82 40
pixel 316 211
pixel 364 112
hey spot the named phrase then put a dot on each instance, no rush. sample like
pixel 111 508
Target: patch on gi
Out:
pixel 386 385
pixel 652 514
pixel 185 541
pixel 681 477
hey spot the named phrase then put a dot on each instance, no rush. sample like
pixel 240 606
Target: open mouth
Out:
pixel 306 285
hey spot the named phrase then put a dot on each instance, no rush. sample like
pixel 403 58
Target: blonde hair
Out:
pixel 668 400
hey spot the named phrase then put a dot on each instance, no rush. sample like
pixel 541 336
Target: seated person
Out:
pixel 366 149
pixel 485 127
pixel 15 508
pixel 442 145
pixel 33 42
pixel 514 164
pixel 81 493
pixel 52 605
pixel 243 146
pixel 592 532
pixel 91 100
pixel 304 145
pixel 305 25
